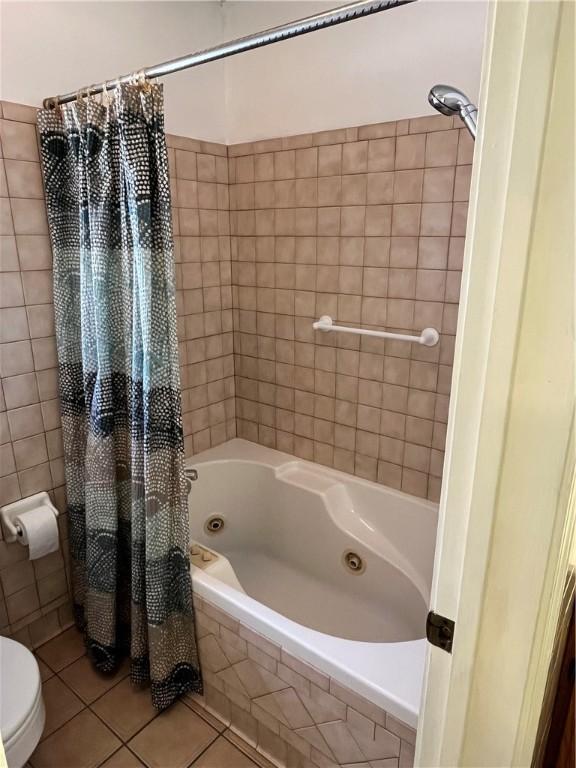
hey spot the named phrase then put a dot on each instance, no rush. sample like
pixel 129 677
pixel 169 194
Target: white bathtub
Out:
pixel 288 524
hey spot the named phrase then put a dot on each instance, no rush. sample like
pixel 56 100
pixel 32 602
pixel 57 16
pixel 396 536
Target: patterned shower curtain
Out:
pixel 108 199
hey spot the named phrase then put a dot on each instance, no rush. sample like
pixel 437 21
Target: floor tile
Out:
pixel 45 671
pixel 204 714
pixel 61 704
pixel 84 742
pixel 247 749
pixel 62 650
pixel 175 738
pixel 123 759
pixel 126 708
pixel 87 682
pixel 223 754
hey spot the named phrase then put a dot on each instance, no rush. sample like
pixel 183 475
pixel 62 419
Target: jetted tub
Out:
pixel 335 569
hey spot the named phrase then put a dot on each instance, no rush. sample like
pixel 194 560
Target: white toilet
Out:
pixel 22 713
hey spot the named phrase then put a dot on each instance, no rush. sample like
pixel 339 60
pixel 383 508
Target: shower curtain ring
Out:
pixel 54 105
pixel 83 95
pixel 144 82
pixel 105 96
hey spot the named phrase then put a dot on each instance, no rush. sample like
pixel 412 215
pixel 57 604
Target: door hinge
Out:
pixel 440 631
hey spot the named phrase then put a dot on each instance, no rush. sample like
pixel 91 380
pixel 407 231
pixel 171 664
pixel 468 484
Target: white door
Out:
pixel 504 530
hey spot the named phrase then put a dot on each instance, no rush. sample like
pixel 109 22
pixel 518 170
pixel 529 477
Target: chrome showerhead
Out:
pixel 450 101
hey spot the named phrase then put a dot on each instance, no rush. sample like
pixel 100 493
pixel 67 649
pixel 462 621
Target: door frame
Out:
pixel 502 332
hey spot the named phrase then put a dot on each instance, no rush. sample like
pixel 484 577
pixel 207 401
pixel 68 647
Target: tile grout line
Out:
pixel 230 741
pixel 204 750
pixel 123 742
pixel 107 725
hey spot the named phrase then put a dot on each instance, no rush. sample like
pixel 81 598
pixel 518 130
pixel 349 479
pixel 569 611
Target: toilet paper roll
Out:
pixel 39 531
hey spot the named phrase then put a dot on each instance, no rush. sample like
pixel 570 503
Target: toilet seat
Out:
pixel 22 713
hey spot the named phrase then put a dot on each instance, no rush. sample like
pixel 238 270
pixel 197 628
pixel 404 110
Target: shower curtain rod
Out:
pixel 257 40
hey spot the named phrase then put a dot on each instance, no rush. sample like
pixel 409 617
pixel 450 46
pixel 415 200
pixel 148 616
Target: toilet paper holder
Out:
pixel 8 513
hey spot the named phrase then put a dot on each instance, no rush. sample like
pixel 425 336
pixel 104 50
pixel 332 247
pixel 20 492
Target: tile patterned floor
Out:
pixel 103 721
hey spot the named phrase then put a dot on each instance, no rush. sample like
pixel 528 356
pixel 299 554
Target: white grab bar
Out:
pixel 429 336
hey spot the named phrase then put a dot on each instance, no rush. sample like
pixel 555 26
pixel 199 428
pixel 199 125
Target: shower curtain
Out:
pixel 108 200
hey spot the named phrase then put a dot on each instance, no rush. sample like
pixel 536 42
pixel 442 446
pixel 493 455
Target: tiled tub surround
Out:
pixel 34 596
pixel 289 711
pixel 366 225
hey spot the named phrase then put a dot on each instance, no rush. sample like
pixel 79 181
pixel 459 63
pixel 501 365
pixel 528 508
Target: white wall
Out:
pixel 366 71
pixel 370 70
pixel 56 47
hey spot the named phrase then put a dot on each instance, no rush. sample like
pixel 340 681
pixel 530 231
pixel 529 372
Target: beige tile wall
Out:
pixel 366 225
pixel 34 596
pixel 201 221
